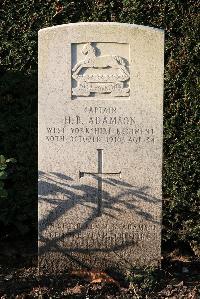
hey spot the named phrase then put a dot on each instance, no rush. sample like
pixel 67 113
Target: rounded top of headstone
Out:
pixel 103 24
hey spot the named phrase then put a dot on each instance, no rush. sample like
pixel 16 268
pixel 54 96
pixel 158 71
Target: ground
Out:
pixel 178 278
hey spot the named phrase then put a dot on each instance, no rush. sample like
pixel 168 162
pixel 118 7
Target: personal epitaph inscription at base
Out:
pixel 100 146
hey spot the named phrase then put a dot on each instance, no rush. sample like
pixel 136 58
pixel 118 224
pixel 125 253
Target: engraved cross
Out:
pixel 100 174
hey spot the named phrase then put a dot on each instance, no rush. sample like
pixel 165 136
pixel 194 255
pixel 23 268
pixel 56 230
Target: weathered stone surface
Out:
pixel 100 146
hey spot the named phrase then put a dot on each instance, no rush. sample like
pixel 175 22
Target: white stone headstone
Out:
pixel 100 146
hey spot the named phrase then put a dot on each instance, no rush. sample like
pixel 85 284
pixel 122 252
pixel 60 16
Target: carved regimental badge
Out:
pixel 98 74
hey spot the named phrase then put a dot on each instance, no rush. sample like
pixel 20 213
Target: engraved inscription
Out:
pixel 100 74
pixel 102 124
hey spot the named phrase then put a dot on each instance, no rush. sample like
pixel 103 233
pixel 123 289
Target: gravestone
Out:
pixel 100 146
